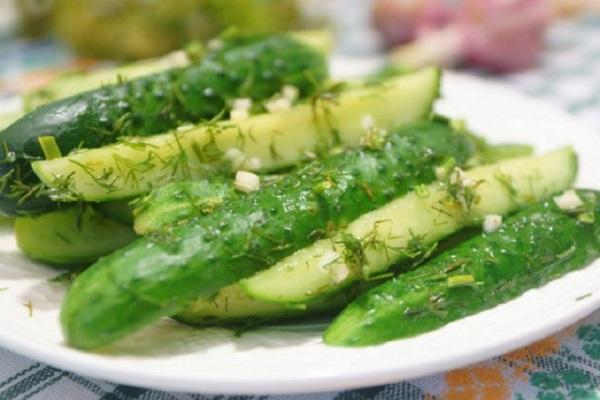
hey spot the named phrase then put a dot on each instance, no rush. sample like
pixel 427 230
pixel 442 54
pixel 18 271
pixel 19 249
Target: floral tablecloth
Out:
pixel 563 366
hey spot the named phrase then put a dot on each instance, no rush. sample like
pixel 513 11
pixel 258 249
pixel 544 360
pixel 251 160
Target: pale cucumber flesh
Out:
pixel 263 142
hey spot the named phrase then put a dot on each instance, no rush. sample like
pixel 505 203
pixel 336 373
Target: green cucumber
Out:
pixel 70 237
pixel 180 201
pixel 120 211
pixel 534 246
pixel 266 142
pixel 410 227
pixel 8 118
pixel 319 39
pixel 72 83
pixel 487 153
pixel 231 307
pixel 75 82
pixel 256 68
pixel 159 274
pixel 491 154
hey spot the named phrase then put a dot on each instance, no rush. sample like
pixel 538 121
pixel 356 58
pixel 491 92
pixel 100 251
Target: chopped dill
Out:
pixel 65 277
pixel 323 98
pixel 507 181
pixel 208 205
pixel 29 307
pixel 374 139
pixel 461 190
pixel 273 151
pixel 49 147
pixel 371 240
pixel 9 156
pixel 104 180
pixel 323 186
pixel 381 276
pixel 416 248
pixel 454 265
pixel 461 280
pixel 370 192
pixel 353 252
pixel 422 191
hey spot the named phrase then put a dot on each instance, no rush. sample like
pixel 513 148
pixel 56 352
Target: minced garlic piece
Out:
pixel 367 122
pixel 277 105
pixel 242 104
pixel 238 114
pixel 215 44
pixel 246 181
pixel 492 222
pixel 290 92
pixel 569 201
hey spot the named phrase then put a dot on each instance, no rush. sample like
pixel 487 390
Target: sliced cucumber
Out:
pixel 527 250
pixel 261 143
pixel 73 236
pixel 232 307
pixel 409 226
pixel 150 105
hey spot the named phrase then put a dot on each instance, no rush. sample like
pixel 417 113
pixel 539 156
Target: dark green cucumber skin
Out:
pixel 245 67
pixel 70 238
pixel 532 247
pixel 157 275
pixel 180 201
pixel 119 211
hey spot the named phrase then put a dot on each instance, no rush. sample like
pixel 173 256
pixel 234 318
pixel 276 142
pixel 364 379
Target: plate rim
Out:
pixel 87 364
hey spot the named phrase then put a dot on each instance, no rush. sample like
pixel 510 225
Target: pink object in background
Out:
pixel 402 21
pixel 496 35
pixel 502 35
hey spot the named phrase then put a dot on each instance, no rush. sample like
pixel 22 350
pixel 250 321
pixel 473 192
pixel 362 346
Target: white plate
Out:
pixel 293 359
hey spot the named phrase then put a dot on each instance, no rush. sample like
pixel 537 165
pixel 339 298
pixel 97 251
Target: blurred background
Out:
pixel 487 36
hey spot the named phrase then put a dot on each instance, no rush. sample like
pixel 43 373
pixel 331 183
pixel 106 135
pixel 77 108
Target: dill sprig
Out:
pixel 417 249
pixel 353 252
pixel 507 182
pixel 29 306
pixel 320 104
pixel 461 190
pixel 65 277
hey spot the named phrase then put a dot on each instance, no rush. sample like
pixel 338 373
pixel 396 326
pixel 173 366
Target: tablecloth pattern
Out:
pixel 563 366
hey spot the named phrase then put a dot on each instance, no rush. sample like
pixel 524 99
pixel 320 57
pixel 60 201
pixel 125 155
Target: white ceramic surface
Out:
pixel 293 358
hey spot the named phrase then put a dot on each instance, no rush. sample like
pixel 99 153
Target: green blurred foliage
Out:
pixel 135 29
